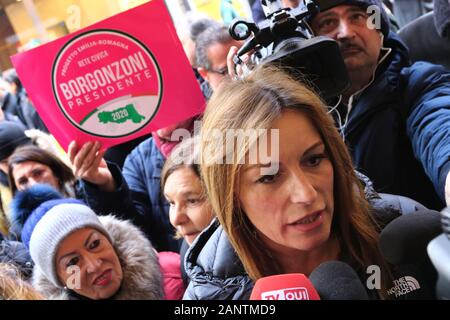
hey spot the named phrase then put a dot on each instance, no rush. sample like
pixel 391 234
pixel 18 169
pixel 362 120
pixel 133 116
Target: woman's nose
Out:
pixel 302 190
pixel 92 262
pixel 179 216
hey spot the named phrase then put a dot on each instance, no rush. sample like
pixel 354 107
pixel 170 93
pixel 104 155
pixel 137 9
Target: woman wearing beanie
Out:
pixel 78 255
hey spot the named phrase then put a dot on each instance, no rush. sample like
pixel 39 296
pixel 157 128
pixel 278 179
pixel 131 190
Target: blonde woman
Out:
pixel 297 205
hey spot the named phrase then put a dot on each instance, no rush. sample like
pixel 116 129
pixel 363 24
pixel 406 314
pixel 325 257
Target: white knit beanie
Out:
pixel 53 227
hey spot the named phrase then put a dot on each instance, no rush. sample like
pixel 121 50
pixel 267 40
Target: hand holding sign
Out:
pixel 88 164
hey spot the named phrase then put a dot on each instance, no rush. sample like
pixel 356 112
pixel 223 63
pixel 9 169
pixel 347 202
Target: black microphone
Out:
pixel 404 240
pixel 336 280
pixel 403 243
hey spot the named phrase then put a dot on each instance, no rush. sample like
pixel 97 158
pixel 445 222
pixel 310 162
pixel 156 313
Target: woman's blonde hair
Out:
pixel 255 102
pixel 13 287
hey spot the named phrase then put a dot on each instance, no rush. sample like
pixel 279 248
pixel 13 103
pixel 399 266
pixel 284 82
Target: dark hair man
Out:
pixel 395 116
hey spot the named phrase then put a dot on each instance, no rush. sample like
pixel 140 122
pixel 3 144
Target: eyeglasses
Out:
pixel 222 71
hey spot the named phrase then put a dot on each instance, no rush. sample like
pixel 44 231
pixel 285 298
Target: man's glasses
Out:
pixel 222 71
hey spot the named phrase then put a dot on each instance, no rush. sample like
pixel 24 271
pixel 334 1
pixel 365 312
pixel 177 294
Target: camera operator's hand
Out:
pixel 237 70
pixel 88 164
pixel 230 63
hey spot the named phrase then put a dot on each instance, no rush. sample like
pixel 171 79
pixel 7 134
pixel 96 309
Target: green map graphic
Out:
pixel 121 115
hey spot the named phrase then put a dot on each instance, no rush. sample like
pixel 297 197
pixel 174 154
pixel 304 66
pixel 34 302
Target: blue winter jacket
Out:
pixel 398 128
pixel 138 196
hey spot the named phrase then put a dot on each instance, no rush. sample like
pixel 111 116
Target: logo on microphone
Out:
pixel 403 286
pixel 299 293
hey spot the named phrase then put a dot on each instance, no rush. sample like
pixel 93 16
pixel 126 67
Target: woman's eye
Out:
pixel 315 160
pixel 171 203
pixel 267 179
pixel 193 201
pixel 94 244
pixel 73 261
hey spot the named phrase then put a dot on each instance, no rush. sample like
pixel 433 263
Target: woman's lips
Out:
pixel 308 223
pixel 191 236
pixel 104 279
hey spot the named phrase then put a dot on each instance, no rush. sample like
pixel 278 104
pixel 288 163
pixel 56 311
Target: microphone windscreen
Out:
pixel 405 239
pixel 291 286
pixel 336 280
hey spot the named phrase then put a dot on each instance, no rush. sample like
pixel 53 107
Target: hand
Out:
pixel 447 190
pixel 88 164
pixel 239 69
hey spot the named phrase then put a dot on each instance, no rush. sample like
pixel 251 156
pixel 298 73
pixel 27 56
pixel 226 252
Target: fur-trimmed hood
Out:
pixel 142 279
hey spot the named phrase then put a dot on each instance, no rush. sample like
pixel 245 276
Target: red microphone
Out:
pixel 292 286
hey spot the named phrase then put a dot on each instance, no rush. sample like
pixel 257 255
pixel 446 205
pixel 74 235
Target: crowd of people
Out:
pixel 206 217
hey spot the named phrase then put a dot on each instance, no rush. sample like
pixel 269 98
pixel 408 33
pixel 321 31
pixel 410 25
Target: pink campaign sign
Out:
pixel 113 81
